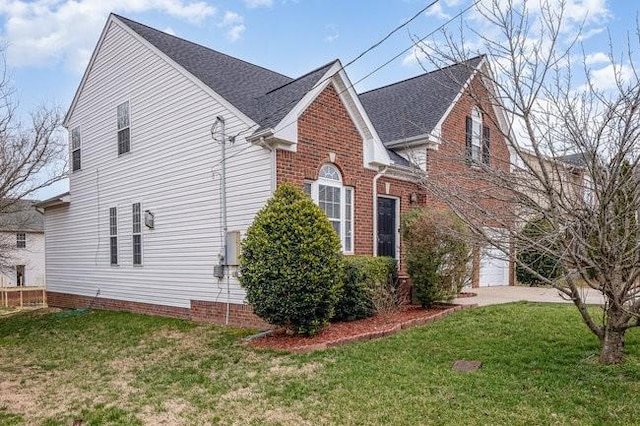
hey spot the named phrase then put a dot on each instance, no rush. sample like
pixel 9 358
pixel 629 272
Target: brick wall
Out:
pixel 200 310
pixel 215 312
pixel 326 127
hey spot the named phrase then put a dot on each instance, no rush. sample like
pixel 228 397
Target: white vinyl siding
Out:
pixel 31 257
pixel 173 167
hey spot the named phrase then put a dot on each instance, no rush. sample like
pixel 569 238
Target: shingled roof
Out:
pixel 237 81
pixel 22 216
pixel 413 107
pixel 398 111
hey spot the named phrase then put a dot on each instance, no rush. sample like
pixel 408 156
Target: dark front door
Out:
pixel 387 227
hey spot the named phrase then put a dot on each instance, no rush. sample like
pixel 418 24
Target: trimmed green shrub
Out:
pixel 438 254
pixel 369 286
pixel 290 263
pixel 536 254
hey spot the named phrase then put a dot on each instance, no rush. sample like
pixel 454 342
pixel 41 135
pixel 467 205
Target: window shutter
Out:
pixel 486 145
pixel 468 136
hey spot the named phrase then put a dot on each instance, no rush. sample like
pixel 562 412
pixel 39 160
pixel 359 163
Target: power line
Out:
pixel 358 57
pixel 395 30
pixel 351 85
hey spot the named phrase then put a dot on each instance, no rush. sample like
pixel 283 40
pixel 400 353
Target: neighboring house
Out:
pixel 175 147
pixel 22 245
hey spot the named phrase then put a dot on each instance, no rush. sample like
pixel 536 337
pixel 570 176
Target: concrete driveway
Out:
pixel 505 294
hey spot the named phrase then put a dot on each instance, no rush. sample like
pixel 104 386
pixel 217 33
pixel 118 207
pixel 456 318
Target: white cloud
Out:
pixel 605 78
pixel 50 32
pixel 437 11
pixel 169 30
pixel 596 58
pixel 333 33
pixel 233 23
pixel 252 4
pixel 417 55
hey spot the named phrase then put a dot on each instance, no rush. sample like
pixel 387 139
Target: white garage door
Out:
pixel 494 268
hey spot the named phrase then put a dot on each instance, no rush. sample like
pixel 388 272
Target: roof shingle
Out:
pixel 414 107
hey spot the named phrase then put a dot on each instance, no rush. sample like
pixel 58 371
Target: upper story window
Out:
pixel 21 240
pixel 477 138
pixel 75 149
pixel 336 200
pixel 124 134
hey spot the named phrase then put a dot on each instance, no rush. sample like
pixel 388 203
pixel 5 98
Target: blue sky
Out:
pixel 48 42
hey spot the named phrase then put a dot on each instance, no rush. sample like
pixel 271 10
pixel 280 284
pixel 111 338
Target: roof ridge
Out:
pixel 199 45
pixel 424 74
pixel 302 76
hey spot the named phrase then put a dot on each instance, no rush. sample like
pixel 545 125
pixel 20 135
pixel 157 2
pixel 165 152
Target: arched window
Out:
pixel 336 200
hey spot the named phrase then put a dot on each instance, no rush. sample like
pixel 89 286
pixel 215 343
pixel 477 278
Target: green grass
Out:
pixel 539 367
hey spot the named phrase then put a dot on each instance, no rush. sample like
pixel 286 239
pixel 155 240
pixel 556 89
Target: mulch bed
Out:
pixel 345 332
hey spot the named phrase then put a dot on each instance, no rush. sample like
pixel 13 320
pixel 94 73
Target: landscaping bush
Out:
pixel 290 263
pixel 543 262
pixel 438 254
pixel 369 286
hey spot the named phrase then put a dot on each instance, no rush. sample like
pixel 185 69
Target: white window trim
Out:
pixel 315 185
pixel 141 224
pixel 79 148
pixel 476 135
pixel 114 235
pixel 128 102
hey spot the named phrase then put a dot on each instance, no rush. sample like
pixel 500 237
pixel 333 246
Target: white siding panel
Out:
pixel 172 170
pixel 32 257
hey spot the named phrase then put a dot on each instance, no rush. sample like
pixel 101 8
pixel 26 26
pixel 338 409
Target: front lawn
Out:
pixel 116 368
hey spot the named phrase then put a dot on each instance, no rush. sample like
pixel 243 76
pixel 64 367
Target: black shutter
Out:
pixel 468 137
pixel 486 145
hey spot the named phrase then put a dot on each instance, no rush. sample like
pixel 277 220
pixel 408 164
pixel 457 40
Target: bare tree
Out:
pixel 574 154
pixel 32 157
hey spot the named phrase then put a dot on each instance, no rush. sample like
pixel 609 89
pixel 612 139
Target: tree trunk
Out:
pixel 612 349
pixel 612 342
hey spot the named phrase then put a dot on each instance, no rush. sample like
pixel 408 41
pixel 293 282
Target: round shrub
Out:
pixel 536 251
pixel 369 286
pixel 438 254
pixel 290 263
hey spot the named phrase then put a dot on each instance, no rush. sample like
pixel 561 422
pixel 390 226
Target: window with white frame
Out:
pixel 476 134
pixel 113 235
pixel 124 135
pixel 336 200
pixel 137 235
pixel 75 149
pixel 21 240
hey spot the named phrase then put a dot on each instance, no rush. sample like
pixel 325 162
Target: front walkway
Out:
pixel 505 294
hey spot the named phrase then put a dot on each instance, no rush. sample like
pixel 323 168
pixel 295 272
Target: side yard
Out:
pixel 539 367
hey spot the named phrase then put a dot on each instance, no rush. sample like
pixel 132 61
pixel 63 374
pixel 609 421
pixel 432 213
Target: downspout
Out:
pixel 374 197
pixel 223 203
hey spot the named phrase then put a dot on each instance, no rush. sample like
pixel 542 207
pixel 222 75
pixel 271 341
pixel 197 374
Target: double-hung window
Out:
pixel 21 240
pixel 478 139
pixel 75 149
pixel 137 235
pixel 336 200
pixel 113 235
pixel 124 134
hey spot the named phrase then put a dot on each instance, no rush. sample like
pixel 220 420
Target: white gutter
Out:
pixel 375 208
